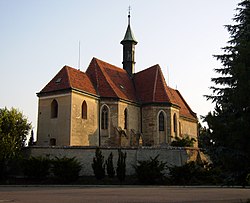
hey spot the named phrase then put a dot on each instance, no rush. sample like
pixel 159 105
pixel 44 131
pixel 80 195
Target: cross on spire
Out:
pixel 129 9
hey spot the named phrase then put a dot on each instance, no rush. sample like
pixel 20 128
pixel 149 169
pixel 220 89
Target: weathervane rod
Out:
pixel 129 9
pixel 79 58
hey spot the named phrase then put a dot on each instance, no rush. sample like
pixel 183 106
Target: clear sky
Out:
pixel 39 37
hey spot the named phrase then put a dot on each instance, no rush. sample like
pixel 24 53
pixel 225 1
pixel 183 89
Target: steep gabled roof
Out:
pixel 185 110
pixel 106 80
pixel 151 86
pixel 111 81
pixel 69 78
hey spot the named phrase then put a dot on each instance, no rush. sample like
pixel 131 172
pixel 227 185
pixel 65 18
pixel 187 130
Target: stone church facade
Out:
pixel 112 106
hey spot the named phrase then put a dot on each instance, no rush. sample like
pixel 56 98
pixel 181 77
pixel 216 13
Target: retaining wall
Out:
pixel 171 155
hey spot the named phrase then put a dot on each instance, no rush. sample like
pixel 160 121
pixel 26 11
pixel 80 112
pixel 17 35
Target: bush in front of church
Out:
pixel 66 169
pixel 36 167
pixel 150 171
pixel 183 142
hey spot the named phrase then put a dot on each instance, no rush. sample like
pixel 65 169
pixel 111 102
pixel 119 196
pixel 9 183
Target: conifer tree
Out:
pixel 229 123
pixel 121 165
pixel 98 164
pixel 110 166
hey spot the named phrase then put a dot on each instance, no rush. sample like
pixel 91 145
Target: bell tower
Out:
pixel 129 43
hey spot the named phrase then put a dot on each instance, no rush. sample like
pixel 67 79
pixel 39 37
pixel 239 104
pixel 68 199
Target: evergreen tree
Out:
pixel 229 123
pixel 110 166
pixel 121 165
pixel 31 140
pixel 98 164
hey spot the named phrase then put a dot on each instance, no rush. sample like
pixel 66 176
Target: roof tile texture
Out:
pixel 106 80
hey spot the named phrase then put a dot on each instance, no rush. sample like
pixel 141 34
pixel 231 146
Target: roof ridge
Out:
pixel 109 64
pixel 189 108
pixel 155 83
pixel 154 66
pixel 68 75
pixel 164 84
pixel 105 76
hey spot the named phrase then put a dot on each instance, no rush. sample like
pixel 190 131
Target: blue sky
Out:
pixel 39 37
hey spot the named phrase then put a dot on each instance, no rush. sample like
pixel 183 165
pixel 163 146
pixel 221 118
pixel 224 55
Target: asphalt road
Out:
pixel 122 194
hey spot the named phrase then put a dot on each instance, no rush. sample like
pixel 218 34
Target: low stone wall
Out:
pixel 171 155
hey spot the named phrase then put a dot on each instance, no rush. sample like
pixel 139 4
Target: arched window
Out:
pixel 54 109
pixel 105 118
pixel 161 122
pixel 125 118
pixel 175 123
pixel 84 110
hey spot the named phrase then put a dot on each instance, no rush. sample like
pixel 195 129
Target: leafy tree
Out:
pixel 121 165
pixel 98 164
pixel 110 166
pixel 14 128
pixel 229 123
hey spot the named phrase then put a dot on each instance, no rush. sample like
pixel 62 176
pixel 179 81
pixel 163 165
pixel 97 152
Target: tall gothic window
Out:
pixel 105 118
pixel 84 110
pixel 175 123
pixel 54 109
pixel 161 122
pixel 125 118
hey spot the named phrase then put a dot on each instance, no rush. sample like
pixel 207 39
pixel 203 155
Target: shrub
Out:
pixel 110 166
pixel 248 179
pixel 193 173
pixel 150 171
pixel 36 167
pixel 183 142
pixel 66 169
pixel 121 165
pixel 98 164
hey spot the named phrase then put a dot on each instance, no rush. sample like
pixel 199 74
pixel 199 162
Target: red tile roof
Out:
pixel 68 78
pixel 106 80
pixel 111 81
pixel 151 86
pixel 185 110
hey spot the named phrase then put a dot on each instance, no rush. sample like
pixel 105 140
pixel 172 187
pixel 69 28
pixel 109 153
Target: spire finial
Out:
pixel 129 9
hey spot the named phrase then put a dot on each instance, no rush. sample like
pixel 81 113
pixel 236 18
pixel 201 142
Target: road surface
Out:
pixel 122 194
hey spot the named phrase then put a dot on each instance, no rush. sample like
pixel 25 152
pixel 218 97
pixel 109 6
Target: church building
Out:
pixel 112 106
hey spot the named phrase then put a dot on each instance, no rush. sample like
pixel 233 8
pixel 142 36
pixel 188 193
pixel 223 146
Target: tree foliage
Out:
pixel 110 166
pixel 66 169
pixel 229 123
pixel 121 165
pixel 183 142
pixel 150 171
pixel 98 164
pixel 36 167
pixel 14 128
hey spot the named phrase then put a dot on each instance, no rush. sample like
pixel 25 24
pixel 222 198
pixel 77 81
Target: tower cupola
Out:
pixel 129 43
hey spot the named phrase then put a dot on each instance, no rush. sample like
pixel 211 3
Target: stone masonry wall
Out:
pixel 171 155
pixel 84 132
pixel 56 128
